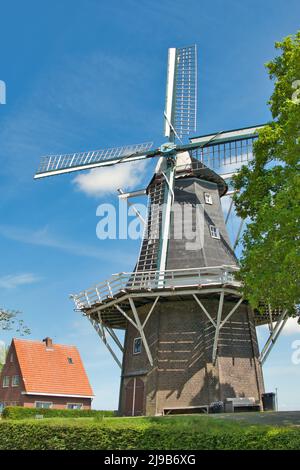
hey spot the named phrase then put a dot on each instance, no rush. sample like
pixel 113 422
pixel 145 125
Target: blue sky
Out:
pixel 91 74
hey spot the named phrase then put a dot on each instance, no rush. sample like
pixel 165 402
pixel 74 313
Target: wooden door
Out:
pixel 134 397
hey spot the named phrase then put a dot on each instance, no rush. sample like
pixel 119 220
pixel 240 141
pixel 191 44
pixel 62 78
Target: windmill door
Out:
pixel 134 397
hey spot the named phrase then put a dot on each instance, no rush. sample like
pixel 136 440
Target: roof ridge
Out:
pixel 36 341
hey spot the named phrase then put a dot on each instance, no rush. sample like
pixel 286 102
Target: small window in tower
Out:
pixel 137 345
pixel 11 357
pixel 70 360
pixel 214 231
pixel 207 198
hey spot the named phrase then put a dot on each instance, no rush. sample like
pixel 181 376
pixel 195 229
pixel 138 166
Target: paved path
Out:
pixel 280 418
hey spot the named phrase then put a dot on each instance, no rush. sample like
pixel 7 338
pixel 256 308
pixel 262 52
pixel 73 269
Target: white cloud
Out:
pixel 11 281
pixel 291 327
pixel 100 181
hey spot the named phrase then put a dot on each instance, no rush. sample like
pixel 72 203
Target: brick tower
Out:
pixel 192 367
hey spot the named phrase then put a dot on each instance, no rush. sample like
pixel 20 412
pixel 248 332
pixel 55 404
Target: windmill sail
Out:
pixel 226 152
pixel 181 93
pixel 66 163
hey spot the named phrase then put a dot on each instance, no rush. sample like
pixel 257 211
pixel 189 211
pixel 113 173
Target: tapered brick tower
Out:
pixel 190 369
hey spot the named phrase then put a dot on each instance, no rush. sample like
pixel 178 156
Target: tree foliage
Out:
pixel 9 320
pixel 269 192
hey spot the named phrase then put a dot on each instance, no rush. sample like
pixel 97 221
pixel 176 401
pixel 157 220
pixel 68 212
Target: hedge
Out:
pixel 19 412
pixel 57 435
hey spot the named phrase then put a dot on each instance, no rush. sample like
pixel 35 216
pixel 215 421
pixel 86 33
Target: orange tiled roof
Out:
pixel 49 371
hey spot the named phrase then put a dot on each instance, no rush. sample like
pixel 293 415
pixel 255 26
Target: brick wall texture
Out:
pixel 181 338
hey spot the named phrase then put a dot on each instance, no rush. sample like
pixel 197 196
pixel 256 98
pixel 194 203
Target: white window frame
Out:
pixel 134 341
pixel 41 407
pixel 208 198
pixel 4 385
pixel 76 404
pixel 214 232
pixel 12 381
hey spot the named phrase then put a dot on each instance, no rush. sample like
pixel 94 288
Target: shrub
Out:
pixel 18 412
pixel 118 434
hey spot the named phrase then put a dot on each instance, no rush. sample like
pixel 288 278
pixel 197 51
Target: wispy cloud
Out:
pixel 11 281
pixel 102 181
pixel 43 237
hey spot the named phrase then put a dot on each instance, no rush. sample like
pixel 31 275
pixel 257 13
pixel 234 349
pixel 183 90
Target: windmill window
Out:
pixel 137 345
pixel 214 232
pixel 5 382
pixel 208 198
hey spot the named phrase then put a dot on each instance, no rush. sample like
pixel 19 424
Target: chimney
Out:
pixel 48 342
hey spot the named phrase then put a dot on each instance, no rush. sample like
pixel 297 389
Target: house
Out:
pixel 43 374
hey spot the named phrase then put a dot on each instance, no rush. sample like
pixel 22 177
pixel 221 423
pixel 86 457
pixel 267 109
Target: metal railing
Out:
pixel 152 280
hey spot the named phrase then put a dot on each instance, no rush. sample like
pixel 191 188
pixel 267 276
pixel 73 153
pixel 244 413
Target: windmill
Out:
pixel 190 337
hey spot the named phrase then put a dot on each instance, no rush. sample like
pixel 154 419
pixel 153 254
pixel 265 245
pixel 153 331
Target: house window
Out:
pixel 43 404
pixel 137 345
pixel 214 231
pixel 11 357
pixel 70 360
pixel 15 380
pixel 5 381
pixel 74 406
pixel 207 198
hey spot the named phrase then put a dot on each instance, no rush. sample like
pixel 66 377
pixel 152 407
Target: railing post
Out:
pixel 109 288
pixel 98 294
pixel 87 298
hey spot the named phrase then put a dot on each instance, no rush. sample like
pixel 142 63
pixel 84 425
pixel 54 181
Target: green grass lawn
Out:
pixel 164 433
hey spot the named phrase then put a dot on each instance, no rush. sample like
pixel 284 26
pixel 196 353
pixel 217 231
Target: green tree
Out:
pixel 269 192
pixel 9 320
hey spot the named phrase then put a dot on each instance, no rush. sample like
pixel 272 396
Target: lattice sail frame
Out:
pixel 66 163
pixel 181 93
pixel 230 149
